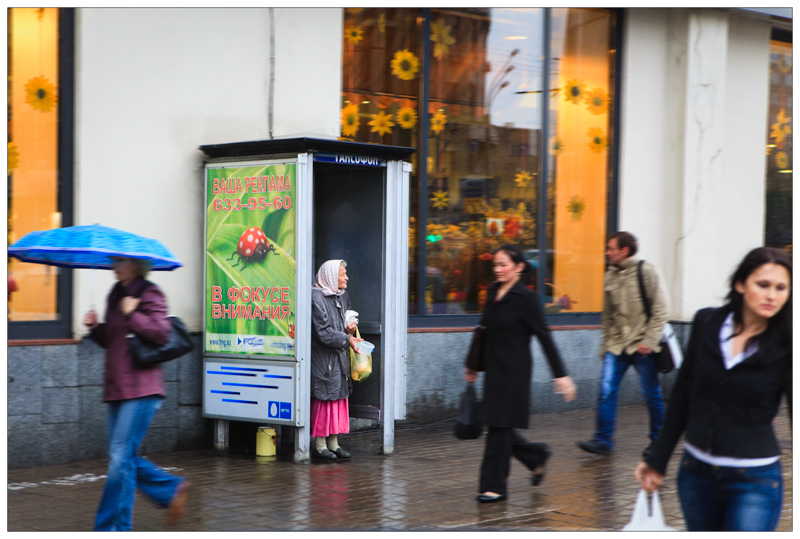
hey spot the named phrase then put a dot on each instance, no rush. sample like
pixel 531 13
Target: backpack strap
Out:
pixel 642 291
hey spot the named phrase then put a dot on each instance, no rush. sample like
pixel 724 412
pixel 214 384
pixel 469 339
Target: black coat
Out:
pixel 330 343
pixel 725 412
pixel 509 324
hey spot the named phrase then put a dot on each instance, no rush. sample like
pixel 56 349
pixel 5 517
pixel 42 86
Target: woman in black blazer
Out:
pixel 738 366
pixel 512 314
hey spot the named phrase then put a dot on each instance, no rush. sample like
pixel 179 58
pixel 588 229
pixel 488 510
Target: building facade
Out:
pixel 547 128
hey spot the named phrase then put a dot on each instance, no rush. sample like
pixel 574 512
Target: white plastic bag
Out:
pixel 642 520
pixel 350 316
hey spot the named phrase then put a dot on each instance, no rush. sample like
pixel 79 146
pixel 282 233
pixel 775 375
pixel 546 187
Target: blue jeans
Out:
pixel 614 368
pixel 128 422
pixel 721 498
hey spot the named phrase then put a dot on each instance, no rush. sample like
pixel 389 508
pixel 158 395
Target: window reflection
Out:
pixel 779 148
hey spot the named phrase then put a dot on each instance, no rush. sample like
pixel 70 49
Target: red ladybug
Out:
pixel 253 246
pixel 291 331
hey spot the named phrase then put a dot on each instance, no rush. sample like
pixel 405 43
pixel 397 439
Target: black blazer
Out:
pixel 510 323
pixel 724 412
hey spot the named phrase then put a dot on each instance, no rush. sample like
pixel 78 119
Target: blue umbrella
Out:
pixel 90 246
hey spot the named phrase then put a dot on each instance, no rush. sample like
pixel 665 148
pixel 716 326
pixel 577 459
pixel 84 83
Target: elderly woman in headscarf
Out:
pixel 330 367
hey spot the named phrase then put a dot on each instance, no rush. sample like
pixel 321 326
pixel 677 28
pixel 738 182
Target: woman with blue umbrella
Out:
pixel 133 395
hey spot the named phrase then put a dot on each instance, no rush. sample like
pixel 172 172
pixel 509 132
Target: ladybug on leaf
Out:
pixel 253 246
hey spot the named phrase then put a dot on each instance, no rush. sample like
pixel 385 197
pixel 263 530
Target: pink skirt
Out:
pixel 329 417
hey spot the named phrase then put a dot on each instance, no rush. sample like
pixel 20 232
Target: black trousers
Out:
pixel 501 444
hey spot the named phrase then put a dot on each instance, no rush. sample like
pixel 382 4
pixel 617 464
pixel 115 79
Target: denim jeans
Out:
pixel 721 498
pixel 614 368
pixel 128 422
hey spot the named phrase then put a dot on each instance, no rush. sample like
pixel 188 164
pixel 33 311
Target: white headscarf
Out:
pixel 327 279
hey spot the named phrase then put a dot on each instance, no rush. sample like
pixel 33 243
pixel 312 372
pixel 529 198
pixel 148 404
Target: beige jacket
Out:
pixel 624 326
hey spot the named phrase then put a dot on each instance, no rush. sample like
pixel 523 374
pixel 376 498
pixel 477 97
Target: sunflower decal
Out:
pixel 440 200
pixel 40 94
pixel 574 92
pixel 353 34
pixel 407 117
pixel 576 206
pixel 440 34
pixel 782 128
pixel 598 141
pixel 556 145
pixel 350 120
pixel 782 160
pixel 783 65
pixel 13 157
pixel 523 178
pixel 405 65
pixel 597 101
pixel 381 123
pixel 438 122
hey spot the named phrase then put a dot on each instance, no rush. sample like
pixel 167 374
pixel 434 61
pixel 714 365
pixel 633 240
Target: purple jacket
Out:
pixel 123 380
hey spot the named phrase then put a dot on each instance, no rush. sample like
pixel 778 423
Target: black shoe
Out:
pixel 483 498
pixel 647 450
pixel 593 446
pixel 341 453
pixel 538 477
pixel 325 454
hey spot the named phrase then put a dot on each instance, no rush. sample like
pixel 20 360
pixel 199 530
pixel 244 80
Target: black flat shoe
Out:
pixel 325 454
pixel 538 477
pixel 483 498
pixel 341 453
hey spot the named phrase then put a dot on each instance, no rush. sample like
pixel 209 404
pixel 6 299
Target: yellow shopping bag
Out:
pixel 361 361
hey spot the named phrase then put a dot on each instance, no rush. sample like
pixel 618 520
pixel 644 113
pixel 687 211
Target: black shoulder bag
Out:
pixel 663 358
pixel 148 354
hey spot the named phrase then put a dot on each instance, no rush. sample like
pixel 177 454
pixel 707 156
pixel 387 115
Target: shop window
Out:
pixel 778 219
pixel 39 163
pixel 467 88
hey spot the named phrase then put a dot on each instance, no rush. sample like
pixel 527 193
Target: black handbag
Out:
pixel 468 425
pixel 148 354
pixel 663 358
pixel 474 360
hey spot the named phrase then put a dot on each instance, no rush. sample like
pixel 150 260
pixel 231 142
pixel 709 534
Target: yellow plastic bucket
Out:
pixel 266 442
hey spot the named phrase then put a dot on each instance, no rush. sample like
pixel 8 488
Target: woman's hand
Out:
pixel 90 319
pixel 565 386
pixel 470 375
pixel 651 480
pixel 354 343
pixel 129 304
pixel 351 328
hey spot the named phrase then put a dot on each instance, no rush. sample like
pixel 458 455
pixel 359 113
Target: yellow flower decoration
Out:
pixel 440 200
pixel 781 129
pixel 438 122
pixel 407 118
pixel 574 91
pixel 41 94
pixel 440 34
pixel 782 160
pixel 353 34
pixel 556 145
pixel 523 178
pixel 405 65
pixel 597 101
pixel 381 123
pixel 13 157
pixel 598 142
pixel 350 120
pixel 382 23
pixel 782 65
pixel 576 207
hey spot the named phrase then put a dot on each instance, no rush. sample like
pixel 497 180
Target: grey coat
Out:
pixel 330 360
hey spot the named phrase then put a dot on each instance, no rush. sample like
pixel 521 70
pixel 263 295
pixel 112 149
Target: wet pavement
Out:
pixel 428 484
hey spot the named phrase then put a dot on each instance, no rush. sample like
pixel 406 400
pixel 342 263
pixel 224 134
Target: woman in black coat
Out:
pixel 737 368
pixel 512 314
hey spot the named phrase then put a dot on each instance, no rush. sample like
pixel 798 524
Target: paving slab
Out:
pixel 428 484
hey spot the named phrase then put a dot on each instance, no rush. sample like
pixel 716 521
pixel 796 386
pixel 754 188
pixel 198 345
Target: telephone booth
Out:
pixel 275 211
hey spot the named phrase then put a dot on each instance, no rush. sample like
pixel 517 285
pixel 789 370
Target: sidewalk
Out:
pixel 428 484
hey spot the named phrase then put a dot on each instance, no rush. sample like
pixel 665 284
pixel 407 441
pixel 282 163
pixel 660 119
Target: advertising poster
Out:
pixel 250 259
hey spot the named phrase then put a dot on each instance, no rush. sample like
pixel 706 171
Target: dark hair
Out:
pixel 779 326
pixel 515 254
pixel 625 239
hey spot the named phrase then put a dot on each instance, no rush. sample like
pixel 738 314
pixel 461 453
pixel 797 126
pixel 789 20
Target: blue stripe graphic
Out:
pixel 248 385
pixel 231 373
pixel 243 369
pixel 242 402
pixel 277 376
pixel 225 392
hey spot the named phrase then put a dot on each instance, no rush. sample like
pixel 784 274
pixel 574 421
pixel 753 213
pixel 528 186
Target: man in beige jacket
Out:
pixel 629 338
